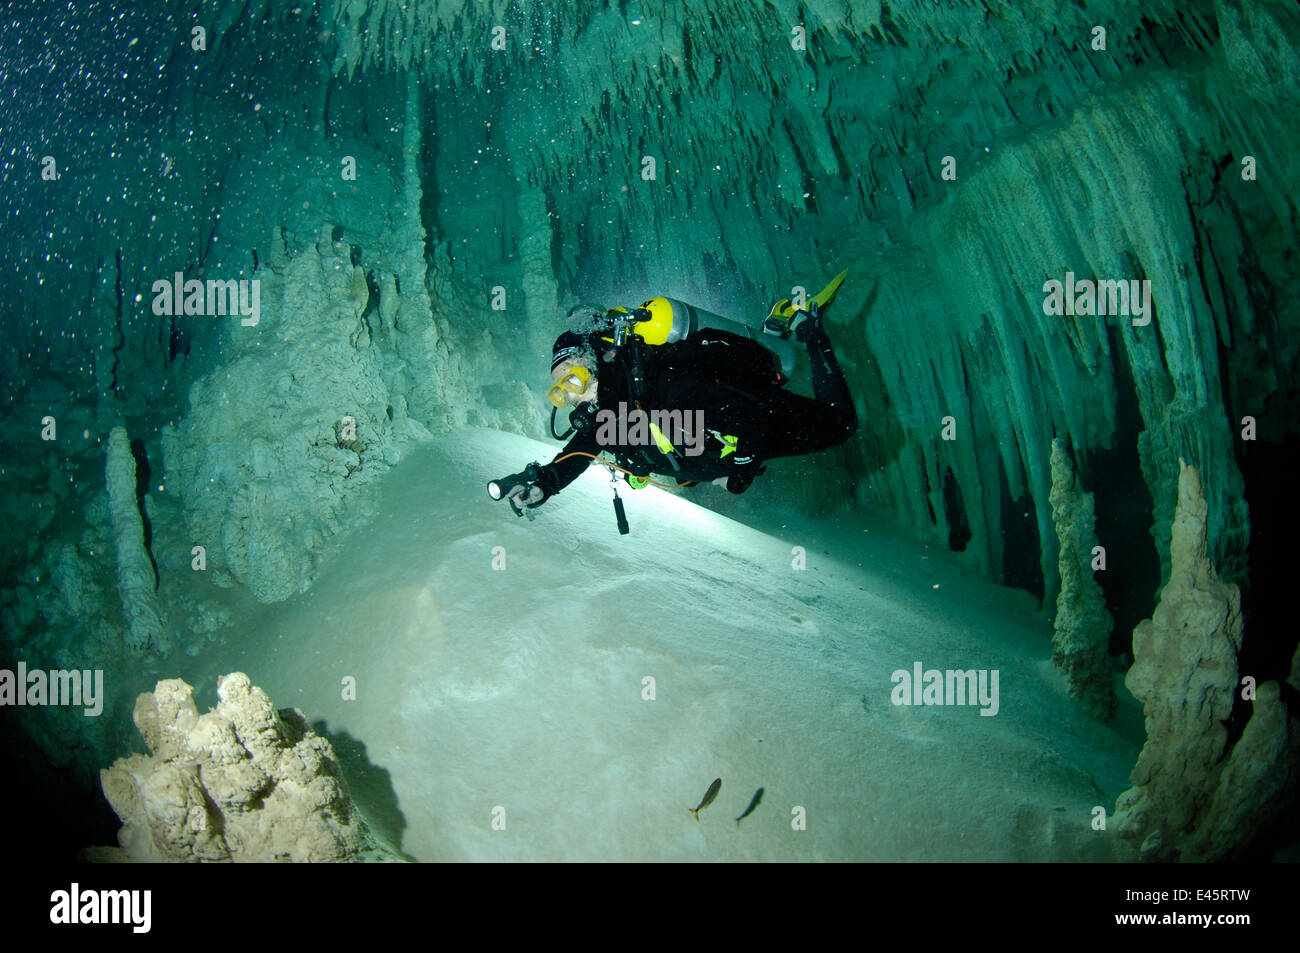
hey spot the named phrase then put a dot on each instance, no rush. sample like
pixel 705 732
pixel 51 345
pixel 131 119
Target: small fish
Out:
pixel 709 795
pixel 758 796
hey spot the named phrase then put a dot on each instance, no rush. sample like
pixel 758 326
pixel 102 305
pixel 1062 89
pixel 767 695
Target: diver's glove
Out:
pixel 525 494
pixel 523 490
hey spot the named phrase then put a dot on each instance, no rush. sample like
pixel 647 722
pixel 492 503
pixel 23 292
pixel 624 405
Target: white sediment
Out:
pixel 519 693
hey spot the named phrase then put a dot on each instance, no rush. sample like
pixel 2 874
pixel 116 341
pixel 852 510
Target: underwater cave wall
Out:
pixel 705 155
pixel 1143 181
pixel 725 155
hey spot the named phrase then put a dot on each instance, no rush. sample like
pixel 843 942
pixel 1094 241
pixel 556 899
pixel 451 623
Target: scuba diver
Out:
pixel 667 391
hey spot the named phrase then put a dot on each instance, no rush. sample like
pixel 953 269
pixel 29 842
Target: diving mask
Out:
pixel 571 385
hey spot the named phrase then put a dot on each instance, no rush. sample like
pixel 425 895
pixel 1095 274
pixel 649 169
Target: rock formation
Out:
pixel 268 460
pixel 240 783
pixel 1257 783
pixel 1082 625
pixel 1192 798
pixel 135 572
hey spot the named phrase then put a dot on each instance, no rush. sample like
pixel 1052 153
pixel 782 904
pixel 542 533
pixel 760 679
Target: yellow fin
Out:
pixel 827 294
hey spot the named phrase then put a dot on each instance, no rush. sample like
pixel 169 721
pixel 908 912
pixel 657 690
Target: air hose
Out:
pixel 620 515
pixel 614 466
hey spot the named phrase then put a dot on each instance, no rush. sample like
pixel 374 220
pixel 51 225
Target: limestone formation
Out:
pixel 1082 626
pixel 416 337
pixel 135 572
pixel 1192 798
pixel 1257 783
pixel 240 783
pixel 276 444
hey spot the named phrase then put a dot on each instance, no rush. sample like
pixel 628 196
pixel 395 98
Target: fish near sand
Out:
pixel 709 795
pixel 758 796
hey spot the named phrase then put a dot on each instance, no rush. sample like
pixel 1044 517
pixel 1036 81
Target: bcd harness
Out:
pixel 719 357
pixel 631 357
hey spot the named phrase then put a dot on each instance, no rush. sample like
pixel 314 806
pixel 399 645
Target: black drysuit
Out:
pixel 747 417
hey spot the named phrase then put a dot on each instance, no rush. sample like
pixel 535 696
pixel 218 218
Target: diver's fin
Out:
pixel 777 322
pixel 785 308
pixel 781 309
pixel 827 294
pixel 785 319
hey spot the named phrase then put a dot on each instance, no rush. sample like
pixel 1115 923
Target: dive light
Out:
pixel 499 488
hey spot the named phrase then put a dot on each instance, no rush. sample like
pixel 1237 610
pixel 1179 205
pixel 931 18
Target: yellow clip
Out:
pixel 663 443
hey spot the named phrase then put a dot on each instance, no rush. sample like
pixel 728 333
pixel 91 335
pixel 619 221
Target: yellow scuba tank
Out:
pixel 668 320
pixel 664 320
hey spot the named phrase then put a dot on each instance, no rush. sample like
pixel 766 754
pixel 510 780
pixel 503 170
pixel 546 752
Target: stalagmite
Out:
pixel 1082 624
pixel 135 573
pixel 1189 800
